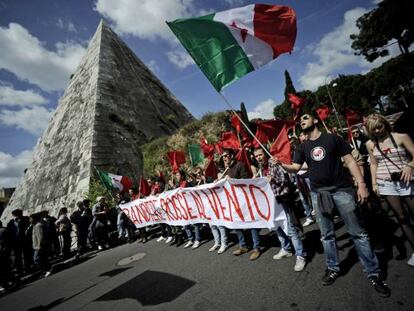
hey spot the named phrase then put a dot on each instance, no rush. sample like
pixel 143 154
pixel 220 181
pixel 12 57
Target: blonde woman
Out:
pixel 392 168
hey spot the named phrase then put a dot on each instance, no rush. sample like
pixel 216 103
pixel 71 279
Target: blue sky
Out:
pixel 42 42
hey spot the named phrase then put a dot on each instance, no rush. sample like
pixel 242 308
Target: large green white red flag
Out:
pixel 228 45
pixel 112 181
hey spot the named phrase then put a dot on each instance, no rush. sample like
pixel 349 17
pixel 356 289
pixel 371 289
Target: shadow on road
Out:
pixel 58 301
pixel 114 272
pixel 150 288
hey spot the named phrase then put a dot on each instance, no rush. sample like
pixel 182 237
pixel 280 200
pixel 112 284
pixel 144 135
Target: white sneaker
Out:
pixel 308 222
pixel 188 244
pixel 313 212
pixel 282 254
pixel 222 249
pixel 161 238
pixel 169 239
pixel 214 247
pixel 196 244
pixel 100 248
pixel 411 261
pixel 300 264
pixel 48 273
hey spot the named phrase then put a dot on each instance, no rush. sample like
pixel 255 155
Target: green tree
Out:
pixel 289 88
pixel 97 189
pixel 391 20
pixel 283 110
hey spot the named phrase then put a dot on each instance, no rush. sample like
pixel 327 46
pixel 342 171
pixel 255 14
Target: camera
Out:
pixel 396 176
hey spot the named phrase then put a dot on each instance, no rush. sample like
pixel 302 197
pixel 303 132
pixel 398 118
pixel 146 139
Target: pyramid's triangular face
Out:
pixel 112 105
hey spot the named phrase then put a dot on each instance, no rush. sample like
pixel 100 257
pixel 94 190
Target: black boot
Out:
pixel 180 240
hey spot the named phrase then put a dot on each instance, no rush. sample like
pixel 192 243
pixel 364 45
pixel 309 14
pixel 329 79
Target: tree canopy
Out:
pixel 391 20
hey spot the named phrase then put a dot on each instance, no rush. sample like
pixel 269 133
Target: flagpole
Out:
pixel 333 106
pixel 245 125
pixel 100 178
pixel 326 128
pixel 191 157
pixel 247 128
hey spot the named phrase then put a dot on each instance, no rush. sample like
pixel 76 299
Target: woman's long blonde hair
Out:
pixel 376 120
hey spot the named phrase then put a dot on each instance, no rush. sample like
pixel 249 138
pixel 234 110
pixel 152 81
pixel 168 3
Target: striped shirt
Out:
pixel 398 156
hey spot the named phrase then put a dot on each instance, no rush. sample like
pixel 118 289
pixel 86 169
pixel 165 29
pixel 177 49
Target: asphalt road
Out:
pixel 160 277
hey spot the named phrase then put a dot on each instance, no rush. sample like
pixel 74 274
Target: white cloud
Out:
pixel 180 58
pixel 33 120
pixel 152 65
pixel 12 168
pixel 26 57
pixel 145 18
pixel 333 53
pixel 69 26
pixel 235 3
pixel 263 110
pixel 12 97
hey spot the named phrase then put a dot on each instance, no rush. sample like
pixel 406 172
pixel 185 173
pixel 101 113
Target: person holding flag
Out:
pixel 281 188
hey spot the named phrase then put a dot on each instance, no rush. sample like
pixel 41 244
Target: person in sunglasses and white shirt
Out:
pixel 332 187
pixel 392 167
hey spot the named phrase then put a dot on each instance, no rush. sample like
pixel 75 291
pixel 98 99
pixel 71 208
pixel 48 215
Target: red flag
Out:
pixel 290 124
pixel 323 112
pixel 352 117
pixel 238 126
pixel 296 101
pixel 229 140
pixel 176 158
pixel 281 147
pixel 267 130
pixel 235 122
pixel 218 148
pixel 207 149
pixel 161 176
pixel 242 156
pixel 144 188
pixel 211 170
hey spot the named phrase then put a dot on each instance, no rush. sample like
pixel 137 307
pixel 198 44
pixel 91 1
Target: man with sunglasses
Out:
pixel 332 186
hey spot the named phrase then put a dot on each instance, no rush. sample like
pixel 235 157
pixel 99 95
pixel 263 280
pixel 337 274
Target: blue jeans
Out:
pixel 346 206
pixel 40 258
pixel 292 237
pixel 189 232
pixel 306 206
pixel 220 235
pixel 255 238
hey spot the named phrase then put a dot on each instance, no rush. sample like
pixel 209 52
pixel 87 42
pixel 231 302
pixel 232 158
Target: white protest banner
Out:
pixel 233 203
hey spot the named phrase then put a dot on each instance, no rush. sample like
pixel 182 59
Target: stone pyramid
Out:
pixel 112 105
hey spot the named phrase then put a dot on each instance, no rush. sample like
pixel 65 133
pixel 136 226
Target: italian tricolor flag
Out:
pixel 112 181
pixel 228 45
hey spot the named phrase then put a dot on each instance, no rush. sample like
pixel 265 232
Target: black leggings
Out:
pixel 403 215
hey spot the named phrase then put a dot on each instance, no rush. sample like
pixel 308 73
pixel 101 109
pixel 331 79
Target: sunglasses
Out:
pixel 304 118
pixel 226 155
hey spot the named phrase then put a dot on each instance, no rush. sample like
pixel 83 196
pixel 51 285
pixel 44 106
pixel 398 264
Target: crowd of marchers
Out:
pixel 329 180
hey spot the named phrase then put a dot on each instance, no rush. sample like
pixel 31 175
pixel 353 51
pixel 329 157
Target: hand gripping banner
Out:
pixel 233 203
